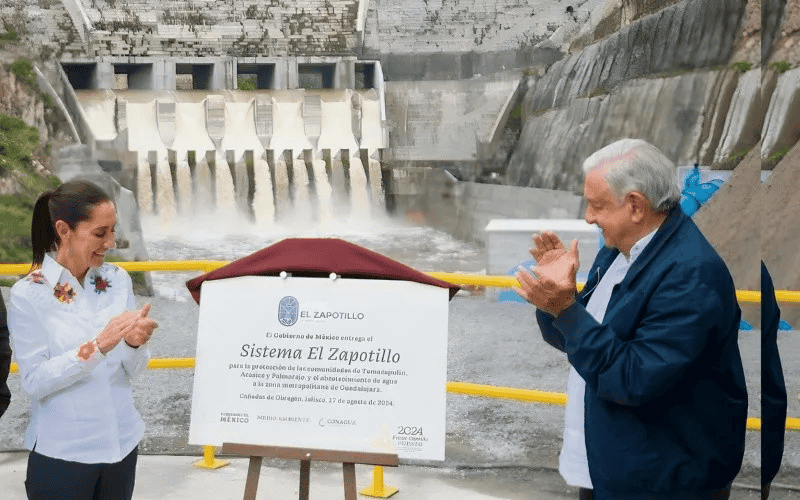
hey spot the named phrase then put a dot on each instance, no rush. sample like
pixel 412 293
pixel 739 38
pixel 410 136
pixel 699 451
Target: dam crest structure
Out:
pixel 293 155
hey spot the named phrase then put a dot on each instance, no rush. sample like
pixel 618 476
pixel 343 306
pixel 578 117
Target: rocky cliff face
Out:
pixel 686 78
pixel 704 81
pixel 689 35
pixel 18 99
pixel 554 144
pixel 92 28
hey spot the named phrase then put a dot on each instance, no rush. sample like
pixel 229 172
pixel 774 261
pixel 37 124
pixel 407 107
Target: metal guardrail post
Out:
pixel 209 461
pixel 377 488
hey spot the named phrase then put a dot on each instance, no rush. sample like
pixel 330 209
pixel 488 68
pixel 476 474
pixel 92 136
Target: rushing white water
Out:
pixel 302 211
pixel 241 182
pixel 226 203
pixel 165 196
pixel 263 204
pixel 359 198
pixel 338 181
pixel 203 194
pixel 376 183
pixel 206 237
pixel 144 190
pixel 200 211
pixel 184 181
pixel 323 188
pixel 282 202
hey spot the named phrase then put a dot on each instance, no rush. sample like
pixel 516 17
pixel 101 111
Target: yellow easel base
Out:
pixel 213 464
pixel 385 492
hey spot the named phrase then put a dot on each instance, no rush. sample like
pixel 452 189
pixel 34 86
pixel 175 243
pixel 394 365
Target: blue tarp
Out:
pixel 695 193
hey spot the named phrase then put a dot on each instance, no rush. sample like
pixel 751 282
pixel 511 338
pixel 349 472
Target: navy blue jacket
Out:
pixel 5 359
pixel 773 388
pixel 666 401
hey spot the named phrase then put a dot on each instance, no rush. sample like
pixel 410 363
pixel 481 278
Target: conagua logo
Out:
pixel 288 311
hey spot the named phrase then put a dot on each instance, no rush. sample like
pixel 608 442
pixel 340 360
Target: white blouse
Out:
pixel 81 410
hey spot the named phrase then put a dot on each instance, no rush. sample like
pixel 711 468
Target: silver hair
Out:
pixel 636 165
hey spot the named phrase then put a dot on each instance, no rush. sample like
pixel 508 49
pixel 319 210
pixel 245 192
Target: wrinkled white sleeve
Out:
pixel 134 359
pixel 42 373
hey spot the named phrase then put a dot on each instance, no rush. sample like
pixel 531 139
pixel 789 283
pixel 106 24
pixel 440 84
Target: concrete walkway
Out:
pixel 495 448
pixel 162 477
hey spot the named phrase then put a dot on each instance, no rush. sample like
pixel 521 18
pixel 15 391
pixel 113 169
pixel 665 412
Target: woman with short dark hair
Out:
pixel 78 343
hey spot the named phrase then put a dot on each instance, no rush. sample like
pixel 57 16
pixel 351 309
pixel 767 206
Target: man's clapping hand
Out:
pixel 547 248
pixel 550 285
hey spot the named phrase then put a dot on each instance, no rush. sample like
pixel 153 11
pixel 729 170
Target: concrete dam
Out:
pixel 471 110
pixel 304 143
pixel 272 154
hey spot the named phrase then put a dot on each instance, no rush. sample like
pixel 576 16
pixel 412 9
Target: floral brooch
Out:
pixel 100 285
pixel 64 293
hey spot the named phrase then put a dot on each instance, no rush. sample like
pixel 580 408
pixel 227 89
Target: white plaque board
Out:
pixel 346 364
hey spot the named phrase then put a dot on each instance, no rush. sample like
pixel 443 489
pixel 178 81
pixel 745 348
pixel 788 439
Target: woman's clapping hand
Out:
pixel 134 327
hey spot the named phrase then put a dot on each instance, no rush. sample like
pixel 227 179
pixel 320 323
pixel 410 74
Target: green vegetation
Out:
pixel 48 102
pixel 532 71
pixel 775 158
pixel 15 230
pixel 738 155
pixel 245 83
pixel 598 92
pixel 23 69
pixel 735 158
pixel 741 66
pixel 17 144
pixel 780 66
pixel 9 36
pixel 779 154
pixel 18 150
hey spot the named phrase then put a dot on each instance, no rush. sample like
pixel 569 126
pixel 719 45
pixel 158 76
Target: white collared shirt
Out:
pixel 573 464
pixel 81 411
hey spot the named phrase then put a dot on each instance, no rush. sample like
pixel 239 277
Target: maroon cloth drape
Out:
pixel 318 257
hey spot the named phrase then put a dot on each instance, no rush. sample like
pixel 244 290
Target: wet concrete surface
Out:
pixel 501 448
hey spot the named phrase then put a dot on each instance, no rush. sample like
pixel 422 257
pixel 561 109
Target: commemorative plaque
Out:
pixel 346 364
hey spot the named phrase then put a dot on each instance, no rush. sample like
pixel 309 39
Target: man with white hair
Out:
pixel 652 339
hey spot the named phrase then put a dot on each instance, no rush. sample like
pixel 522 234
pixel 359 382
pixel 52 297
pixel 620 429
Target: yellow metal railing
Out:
pixel 455 278
pixel 786 296
pixel 489 391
